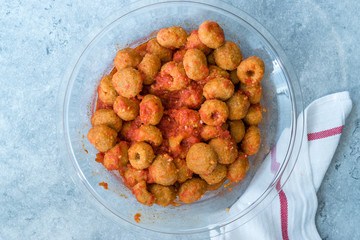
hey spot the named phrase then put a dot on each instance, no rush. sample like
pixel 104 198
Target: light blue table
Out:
pixel 39 201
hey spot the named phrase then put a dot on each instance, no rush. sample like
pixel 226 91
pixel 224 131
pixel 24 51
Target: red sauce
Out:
pixel 100 157
pixel 104 184
pixel 189 97
pixel 101 105
pixel 137 217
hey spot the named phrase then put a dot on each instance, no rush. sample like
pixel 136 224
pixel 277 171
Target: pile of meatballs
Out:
pixel 179 114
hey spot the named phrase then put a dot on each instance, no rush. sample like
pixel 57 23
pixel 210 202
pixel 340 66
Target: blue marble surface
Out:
pixel 37 198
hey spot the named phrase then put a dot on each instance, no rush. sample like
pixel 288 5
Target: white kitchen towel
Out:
pixel 291 215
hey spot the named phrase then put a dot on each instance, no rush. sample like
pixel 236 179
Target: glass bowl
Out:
pixel 214 213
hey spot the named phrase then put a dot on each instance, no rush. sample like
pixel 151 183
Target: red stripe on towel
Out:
pixel 283 212
pixel 325 133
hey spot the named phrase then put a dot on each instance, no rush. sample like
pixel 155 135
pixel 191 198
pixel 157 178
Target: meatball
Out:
pixel 102 137
pixel 172 37
pixel 106 117
pixel 215 176
pixel 211 59
pixel 106 91
pixel 192 190
pixel 150 134
pixel 117 157
pixel 228 56
pixel 251 70
pixel 163 170
pixel 254 115
pixel 251 141
pixel 216 186
pixel 164 195
pixel 237 130
pixel 209 132
pixel 237 170
pixel 126 57
pixel 193 41
pixel 151 110
pixel 149 66
pixel 214 112
pixel 225 149
pixel 201 158
pixel 179 55
pixel 238 106
pixel 211 34
pixel 172 77
pixel 127 82
pixel 153 47
pixel 184 173
pixel 133 176
pixel 127 109
pixel 141 155
pixel 252 91
pixel 215 71
pixel 233 77
pixel 220 88
pixel 142 195
pixel 195 64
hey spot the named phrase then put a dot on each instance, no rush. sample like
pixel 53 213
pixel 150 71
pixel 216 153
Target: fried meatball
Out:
pixel 142 195
pixel 141 155
pixel 117 157
pixel 132 176
pixel 127 82
pixel 233 77
pixel 172 37
pixel 184 173
pixel 163 170
pixel 215 176
pixel 254 115
pixel 126 57
pixel 106 117
pixel 151 110
pixel 195 64
pixel 102 137
pixel 211 34
pixel 153 47
pixel 214 112
pixel 192 190
pixel 172 76
pixel 106 91
pixel 127 109
pixel 211 59
pixel 193 41
pixel 228 56
pixel 237 170
pixel 208 132
pixel 237 130
pixel 238 106
pixel 179 55
pixel 164 195
pixel 149 66
pixel 253 92
pixel 220 88
pixel 251 141
pixel 216 186
pixel 201 158
pixel 150 134
pixel 215 71
pixel 225 149
pixel 251 70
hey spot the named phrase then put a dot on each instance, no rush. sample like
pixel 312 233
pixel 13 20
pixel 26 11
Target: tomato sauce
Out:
pixel 104 184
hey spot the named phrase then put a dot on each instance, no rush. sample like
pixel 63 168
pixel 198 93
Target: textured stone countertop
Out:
pixel 37 198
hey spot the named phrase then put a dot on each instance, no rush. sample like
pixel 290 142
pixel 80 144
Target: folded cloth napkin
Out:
pixel 291 214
